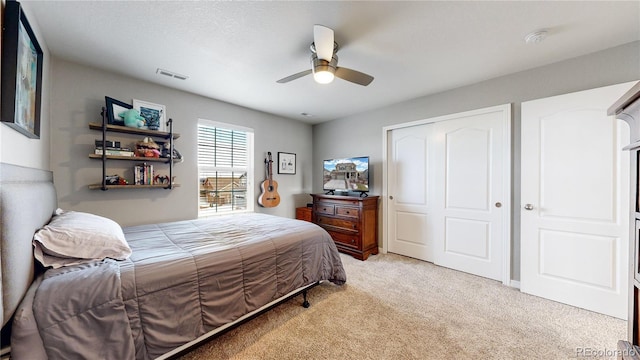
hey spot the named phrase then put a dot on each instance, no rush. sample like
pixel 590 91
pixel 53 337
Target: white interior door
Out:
pixel 408 207
pixel 448 190
pixel 575 201
pixel 471 164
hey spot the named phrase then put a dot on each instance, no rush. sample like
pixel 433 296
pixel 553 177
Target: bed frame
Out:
pixel 27 202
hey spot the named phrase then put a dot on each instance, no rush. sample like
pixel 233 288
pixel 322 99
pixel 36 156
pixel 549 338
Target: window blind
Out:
pixel 223 170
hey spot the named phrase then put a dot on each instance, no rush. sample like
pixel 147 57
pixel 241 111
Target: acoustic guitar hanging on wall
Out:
pixel 269 187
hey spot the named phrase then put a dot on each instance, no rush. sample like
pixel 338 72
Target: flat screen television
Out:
pixel 346 175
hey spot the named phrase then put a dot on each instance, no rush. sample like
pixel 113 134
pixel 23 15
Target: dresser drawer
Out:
pixel 348 211
pixel 327 209
pixel 345 239
pixel 338 223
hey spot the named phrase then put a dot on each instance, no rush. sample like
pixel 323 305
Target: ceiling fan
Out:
pixel 324 61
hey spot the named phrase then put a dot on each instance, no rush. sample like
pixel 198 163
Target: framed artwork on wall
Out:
pixel 153 114
pixel 115 107
pixel 286 163
pixel 21 73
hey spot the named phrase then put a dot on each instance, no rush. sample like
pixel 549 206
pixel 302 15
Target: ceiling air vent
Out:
pixel 171 74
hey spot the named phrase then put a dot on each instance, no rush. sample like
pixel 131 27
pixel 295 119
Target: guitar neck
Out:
pixel 269 170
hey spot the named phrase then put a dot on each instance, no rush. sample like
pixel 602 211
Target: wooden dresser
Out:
pixel 351 221
pixel 627 108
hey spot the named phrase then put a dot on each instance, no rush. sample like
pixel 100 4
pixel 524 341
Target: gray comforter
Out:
pixel 183 280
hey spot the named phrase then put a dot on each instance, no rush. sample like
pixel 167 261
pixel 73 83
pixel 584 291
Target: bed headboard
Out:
pixel 27 202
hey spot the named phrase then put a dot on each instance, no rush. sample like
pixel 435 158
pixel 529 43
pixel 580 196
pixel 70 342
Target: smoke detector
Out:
pixel 536 36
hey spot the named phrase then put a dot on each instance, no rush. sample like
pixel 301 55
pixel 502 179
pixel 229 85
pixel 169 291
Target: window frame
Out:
pixel 250 191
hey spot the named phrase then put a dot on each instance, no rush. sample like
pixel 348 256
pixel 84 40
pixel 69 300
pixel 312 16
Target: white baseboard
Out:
pixel 515 284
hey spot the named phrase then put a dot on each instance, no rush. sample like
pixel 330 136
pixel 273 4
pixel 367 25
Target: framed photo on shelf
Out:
pixel 22 59
pixel 154 114
pixel 286 163
pixel 115 107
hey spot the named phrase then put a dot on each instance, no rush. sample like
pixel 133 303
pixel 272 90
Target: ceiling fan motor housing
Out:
pixel 319 65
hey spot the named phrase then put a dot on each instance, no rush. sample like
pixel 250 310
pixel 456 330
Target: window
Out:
pixel 225 163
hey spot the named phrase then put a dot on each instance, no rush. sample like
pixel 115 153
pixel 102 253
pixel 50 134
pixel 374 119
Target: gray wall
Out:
pixel 77 95
pixel 361 134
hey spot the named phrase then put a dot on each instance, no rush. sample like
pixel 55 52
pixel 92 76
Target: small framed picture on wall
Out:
pixel 286 163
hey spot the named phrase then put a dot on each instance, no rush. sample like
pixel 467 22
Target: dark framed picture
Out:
pixel 115 107
pixel 286 163
pixel 21 73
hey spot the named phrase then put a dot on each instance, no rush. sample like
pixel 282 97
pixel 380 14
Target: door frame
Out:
pixel 507 176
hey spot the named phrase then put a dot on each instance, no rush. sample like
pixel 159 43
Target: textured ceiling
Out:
pixel 235 51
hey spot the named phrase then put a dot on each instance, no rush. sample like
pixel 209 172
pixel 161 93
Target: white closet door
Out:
pixel 410 233
pixel 448 187
pixel 471 173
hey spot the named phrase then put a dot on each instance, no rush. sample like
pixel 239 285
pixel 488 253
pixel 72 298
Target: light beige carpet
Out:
pixel 394 307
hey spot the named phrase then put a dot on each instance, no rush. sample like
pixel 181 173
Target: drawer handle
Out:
pixel 324 209
pixel 354 226
pixel 347 211
pixel 353 241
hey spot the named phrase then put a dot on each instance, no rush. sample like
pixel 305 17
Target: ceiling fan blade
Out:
pixel 294 76
pixel 323 40
pixel 354 76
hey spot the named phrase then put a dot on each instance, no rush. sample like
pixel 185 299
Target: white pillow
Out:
pixel 73 237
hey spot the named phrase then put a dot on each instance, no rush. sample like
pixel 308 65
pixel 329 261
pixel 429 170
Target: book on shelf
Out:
pixel 115 152
pixel 143 174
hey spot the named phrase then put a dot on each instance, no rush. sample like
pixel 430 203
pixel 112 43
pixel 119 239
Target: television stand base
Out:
pixel 330 192
pixel 364 194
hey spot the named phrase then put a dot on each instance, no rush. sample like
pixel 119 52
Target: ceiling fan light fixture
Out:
pixel 323 76
pixel 324 62
pixel 323 71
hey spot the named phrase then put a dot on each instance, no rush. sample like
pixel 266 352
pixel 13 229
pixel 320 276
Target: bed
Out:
pixel 181 283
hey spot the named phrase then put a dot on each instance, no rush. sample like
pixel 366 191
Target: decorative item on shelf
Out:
pixel 147 148
pixel 164 148
pixel 161 179
pixel 154 114
pixel 115 180
pixel 132 118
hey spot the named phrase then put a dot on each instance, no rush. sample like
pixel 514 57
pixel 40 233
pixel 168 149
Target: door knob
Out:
pixel 498 204
pixel 391 197
pixel 528 207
